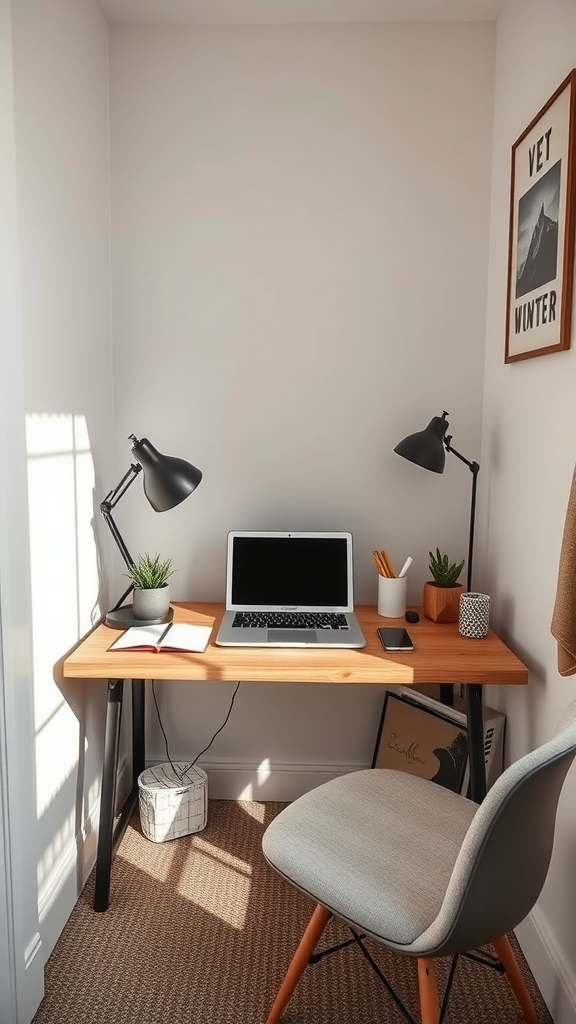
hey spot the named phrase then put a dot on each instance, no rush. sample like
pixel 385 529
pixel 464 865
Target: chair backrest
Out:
pixel 504 859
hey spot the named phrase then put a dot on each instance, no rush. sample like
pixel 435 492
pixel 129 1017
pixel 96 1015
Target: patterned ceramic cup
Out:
pixel 474 615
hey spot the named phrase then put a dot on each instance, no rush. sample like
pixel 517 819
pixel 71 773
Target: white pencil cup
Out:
pixel 392 596
pixel 474 615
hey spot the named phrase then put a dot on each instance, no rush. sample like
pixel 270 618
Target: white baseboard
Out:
pixel 284 782
pixel 32 950
pixel 554 976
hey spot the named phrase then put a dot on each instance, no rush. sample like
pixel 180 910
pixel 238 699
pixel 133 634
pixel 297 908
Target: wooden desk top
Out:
pixel 440 655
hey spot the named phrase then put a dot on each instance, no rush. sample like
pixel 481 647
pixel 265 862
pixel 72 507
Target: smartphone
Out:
pixel 395 638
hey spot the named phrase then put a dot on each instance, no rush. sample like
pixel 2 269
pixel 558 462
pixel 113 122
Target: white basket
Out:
pixel 172 802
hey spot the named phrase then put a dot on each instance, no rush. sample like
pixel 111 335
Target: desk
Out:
pixel 440 655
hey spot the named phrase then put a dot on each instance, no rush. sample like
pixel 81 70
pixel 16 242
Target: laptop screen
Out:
pixel 305 571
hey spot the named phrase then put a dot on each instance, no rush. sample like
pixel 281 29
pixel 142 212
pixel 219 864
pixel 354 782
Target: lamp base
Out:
pixel 123 618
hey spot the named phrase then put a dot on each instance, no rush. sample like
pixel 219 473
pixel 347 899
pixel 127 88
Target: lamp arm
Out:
pixel 117 536
pixel 109 502
pixel 472 466
pixel 474 469
pixel 121 600
pixel 113 497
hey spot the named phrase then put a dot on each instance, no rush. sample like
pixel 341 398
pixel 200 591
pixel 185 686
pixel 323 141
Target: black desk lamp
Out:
pixel 426 449
pixel 166 482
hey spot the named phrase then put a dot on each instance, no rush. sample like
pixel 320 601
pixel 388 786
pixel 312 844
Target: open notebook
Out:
pixel 178 636
pixel 289 590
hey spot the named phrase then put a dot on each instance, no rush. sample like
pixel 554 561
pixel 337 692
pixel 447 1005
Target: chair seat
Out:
pixel 351 844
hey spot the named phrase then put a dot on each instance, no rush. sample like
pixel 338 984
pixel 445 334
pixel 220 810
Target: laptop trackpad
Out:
pixel 292 636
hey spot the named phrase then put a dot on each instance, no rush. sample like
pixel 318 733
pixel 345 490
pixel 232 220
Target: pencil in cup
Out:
pixel 383 564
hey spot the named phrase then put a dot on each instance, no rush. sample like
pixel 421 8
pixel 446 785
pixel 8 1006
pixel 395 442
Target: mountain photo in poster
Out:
pixel 537 247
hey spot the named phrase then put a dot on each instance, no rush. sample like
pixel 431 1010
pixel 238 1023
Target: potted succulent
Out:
pixel 149 575
pixel 441 598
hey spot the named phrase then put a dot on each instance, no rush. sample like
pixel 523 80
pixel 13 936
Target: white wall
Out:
pixel 529 451
pixel 62 177
pixel 300 233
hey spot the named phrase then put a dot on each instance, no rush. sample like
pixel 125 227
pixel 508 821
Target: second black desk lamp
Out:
pixel 427 448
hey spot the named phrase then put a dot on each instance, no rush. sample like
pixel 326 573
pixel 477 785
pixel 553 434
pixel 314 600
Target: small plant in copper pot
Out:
pixel 441 594
pixel 444 572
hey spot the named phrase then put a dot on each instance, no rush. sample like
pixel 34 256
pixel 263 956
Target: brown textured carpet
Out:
pixel 200 931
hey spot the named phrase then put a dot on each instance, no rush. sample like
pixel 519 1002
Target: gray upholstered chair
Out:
pixel 420 869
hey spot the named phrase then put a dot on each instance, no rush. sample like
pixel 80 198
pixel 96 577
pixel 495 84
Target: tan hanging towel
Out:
pixel 563 626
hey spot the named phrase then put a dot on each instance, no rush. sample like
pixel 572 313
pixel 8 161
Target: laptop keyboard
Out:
pixel 290 620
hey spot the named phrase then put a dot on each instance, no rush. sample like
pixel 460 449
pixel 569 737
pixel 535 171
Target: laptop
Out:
pixel 289 590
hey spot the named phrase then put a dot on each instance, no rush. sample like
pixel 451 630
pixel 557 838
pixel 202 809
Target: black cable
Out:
pixel 182 772
pixel 162 728
pixel 192 763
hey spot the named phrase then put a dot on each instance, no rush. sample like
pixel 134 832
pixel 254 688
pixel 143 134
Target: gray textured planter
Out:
pixel 151 604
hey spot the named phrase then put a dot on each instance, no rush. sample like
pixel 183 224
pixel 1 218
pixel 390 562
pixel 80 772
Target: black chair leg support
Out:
pixel 383 979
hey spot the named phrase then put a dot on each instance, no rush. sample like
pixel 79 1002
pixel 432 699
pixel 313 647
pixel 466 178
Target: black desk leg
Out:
pixel 476 742
pixel 108 794
pixel 138 741
pixel 110 833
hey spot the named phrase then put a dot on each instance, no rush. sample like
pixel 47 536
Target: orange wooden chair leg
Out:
pixel 428 990
pixel 308 943
pixel 505 954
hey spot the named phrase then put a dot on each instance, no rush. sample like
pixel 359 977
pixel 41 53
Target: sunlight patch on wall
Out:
pixel 62 549
pixel 60 844
pixel 94 796
pixel 263 773
pixel 56 755
pixel 64 582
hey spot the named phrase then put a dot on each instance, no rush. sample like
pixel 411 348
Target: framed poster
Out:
pixel 414 739
pixel 541 231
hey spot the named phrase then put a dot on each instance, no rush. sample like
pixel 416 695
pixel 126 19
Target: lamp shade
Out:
pixel 426 447
pixel 166 480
